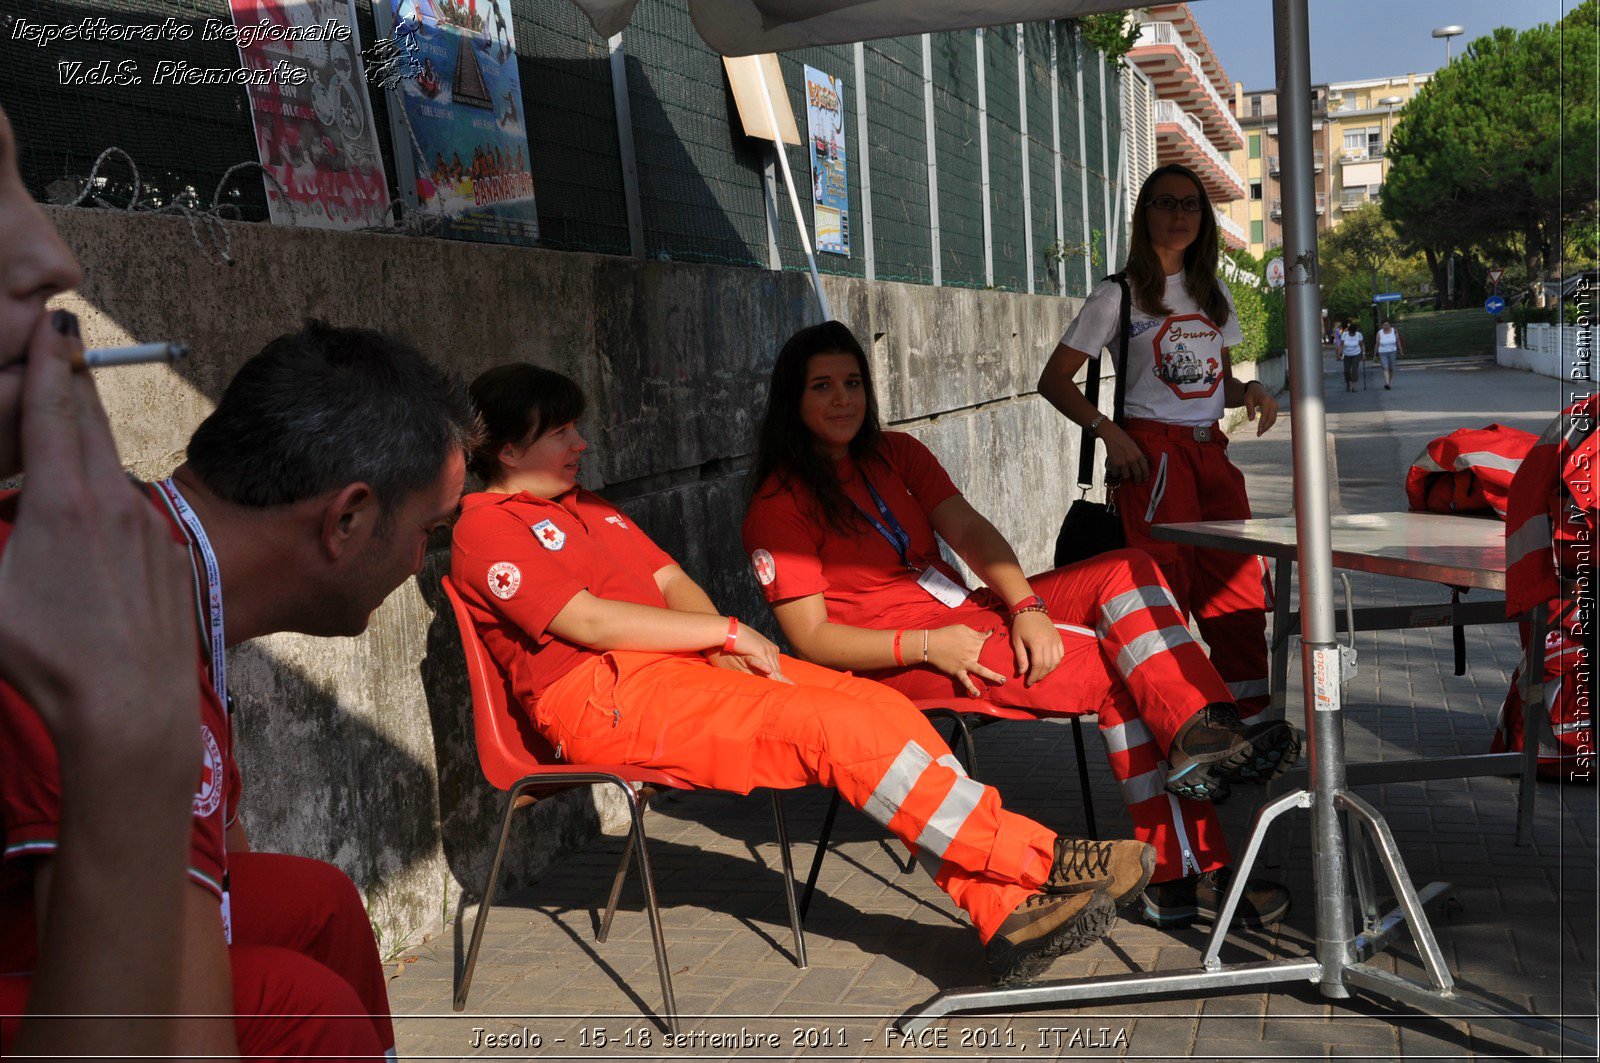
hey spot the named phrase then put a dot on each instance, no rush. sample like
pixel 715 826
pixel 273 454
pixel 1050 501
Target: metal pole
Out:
pixel 983 162
pixel 625 152
pixel 1055 152
pixel 933 161
pixel 864 163
pixel 1027 180
pixel 1320 654
pixel 794 198
pixel 1083 170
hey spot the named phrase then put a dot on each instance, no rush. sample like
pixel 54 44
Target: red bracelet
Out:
pixel 733 635
pixel 898 635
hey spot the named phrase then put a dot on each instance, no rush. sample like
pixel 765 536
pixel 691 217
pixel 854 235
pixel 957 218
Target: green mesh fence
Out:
pixel 955 108
pixel 1041 158
pixel 1007 209
pixel 572 145
pixel 898 149
pixel 701 180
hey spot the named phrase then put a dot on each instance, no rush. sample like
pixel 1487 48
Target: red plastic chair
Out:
pixel 517 759
pixel 964 720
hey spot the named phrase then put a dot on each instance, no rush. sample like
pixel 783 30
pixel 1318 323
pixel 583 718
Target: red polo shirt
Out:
pixel 860 576
pixel 518 560
pixel 30 797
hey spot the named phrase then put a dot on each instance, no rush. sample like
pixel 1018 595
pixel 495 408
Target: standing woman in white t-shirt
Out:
pixel 1169 457
pixel 1389 347
pixel 1352 346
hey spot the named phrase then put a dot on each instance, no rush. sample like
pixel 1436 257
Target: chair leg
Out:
pixel 488 898
pixel 1083 778
pixel 616 888
pixel 822 851
pixel 788 880
pixel 647 879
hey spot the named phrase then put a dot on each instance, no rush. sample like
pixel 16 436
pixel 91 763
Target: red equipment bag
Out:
pixel 1468 471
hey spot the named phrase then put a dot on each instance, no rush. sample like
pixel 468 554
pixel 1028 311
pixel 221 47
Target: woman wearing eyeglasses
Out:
pixel 1168 459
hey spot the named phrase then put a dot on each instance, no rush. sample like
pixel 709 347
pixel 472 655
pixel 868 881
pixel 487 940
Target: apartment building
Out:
pixel 1352 122
pixel 1179 78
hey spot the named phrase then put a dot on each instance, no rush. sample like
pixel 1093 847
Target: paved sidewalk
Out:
pixel 882 940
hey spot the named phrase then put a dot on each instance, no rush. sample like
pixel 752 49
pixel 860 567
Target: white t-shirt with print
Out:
pixel 1174 371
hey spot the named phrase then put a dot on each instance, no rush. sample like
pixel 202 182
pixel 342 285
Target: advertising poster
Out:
pixel 461 125
pixel 830 183
pixel 313 119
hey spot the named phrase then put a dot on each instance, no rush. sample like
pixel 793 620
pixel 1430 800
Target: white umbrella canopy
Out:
pixel 749 27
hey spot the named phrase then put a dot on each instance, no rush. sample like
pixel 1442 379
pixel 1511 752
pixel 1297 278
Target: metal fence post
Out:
pixel 1027 178
pixel 983 162
pixel 863 162
pixel 625 152
pixel 1105 155
pixel 1083 154
pixel 933 161
pixel 1055 151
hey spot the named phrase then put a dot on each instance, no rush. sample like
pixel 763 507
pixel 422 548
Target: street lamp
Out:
pixel 1447 32
pixel 1388 102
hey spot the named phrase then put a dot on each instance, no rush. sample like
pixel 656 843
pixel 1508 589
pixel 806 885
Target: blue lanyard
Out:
pixel 889 528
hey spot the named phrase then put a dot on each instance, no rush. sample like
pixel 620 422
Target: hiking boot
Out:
pixel 1045 926
pixel 1208 751
pixel 1182 901
pixel 1121 868
pixel 1275 747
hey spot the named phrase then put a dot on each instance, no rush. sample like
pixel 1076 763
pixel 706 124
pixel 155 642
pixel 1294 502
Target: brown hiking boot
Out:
pixel 1208 751
pixel 1276 746
pixel 1121 868
pixel 1045 926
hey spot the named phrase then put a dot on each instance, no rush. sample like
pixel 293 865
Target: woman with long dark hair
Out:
pixel 1167 462
pixel 841 533
pixel 619 657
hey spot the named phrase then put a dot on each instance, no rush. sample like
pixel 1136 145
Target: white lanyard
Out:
pixel 212 598
pixel 213 595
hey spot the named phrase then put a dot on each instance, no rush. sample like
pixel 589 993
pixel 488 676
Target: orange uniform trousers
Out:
pixel 1227 593
pixel 728 730
pixel 1129 657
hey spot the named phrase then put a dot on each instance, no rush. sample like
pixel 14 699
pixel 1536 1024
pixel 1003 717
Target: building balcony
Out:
pixel 1322 207
pixel 1179 138
pixel 1182 20
pixel 1233 234
pixel 1318 163
pixel 1179 75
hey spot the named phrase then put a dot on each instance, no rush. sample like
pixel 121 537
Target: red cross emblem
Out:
pixel 550 537
pixel 766 569
pixel 504 579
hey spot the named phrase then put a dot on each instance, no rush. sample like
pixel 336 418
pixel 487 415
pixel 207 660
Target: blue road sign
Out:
pixel 1388 297
pixel 1494 304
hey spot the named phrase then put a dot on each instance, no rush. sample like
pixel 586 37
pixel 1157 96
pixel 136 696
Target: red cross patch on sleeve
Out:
pixel 504 579
pixel 550 537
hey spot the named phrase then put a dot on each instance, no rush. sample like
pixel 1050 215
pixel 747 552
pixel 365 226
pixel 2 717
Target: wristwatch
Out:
pixel 1094 425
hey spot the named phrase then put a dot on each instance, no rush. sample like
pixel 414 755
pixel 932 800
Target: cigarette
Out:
pixel 105 357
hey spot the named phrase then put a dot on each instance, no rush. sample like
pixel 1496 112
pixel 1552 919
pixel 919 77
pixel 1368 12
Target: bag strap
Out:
pixel 1091 389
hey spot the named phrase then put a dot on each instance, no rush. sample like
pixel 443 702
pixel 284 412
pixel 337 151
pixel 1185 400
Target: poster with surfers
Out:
pixel 830 181
pixel 458 118
pixel 313 120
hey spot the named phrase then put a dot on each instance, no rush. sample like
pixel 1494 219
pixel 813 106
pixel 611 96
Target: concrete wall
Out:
pixel 1565 352
pixel 360 750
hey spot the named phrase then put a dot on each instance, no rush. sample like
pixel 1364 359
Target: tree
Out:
pixel 1500 145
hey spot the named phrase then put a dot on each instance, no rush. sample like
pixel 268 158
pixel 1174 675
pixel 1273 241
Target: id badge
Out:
pixel 227 916
pixel 942 587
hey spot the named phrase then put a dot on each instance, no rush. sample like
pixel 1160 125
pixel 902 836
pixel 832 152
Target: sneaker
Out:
pixel 1121 868
pixel 1208 751
pixel 1386 387
pixel 1045 926
pixel 1276 746
pixel 1182 901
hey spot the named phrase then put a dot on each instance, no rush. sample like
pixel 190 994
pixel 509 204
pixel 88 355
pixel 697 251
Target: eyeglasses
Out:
pixel 1188 204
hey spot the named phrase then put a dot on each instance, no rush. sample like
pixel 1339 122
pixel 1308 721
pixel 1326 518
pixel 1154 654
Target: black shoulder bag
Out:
pixel 1092 528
